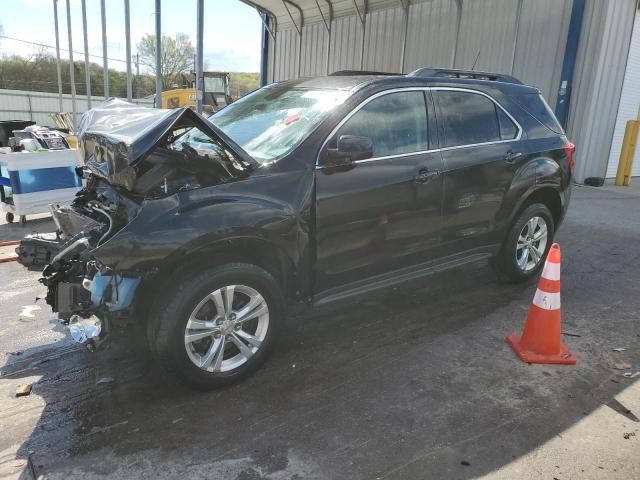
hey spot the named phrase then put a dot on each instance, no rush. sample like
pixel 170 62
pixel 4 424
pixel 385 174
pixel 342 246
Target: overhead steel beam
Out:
pixel 326 25
pixel 58 65
pixel 158 102
pixel 87 65
pixel 127 35
pixel 264 17
pixel 295 25
pixel 199 55
pixel 355 6
pixel 72 73
pixel 105 61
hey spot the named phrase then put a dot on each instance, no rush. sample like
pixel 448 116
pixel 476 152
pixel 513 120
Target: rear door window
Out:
pixel 395 122
pixel 467 118
pixel 508 129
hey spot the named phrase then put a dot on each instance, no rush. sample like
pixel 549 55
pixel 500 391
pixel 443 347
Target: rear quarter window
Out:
pixel 536 106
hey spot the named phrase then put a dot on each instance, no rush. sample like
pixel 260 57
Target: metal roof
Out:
pixel 296 13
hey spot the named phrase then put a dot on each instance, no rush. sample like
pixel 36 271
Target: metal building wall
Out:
pixel 540 44
pixel 629 103
pixel 510 36
pixel 314 50
pixel 346 38
pixel 38 106
pixel 384 35
pixel 524 37
pixel 431 34
pixel 487 31
pixel 600 68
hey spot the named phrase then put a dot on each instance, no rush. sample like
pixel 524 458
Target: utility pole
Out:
pixel 127 33
pixel 72 73
pixel 158 101
pixel 58 66
pixel 87 65
pixel 199 55
pixel 105 61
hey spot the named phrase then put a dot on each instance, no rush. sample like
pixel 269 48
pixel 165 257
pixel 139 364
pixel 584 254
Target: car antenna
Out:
pixel 475 61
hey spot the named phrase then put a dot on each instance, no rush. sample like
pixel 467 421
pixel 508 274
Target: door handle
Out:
pixel 512 157
pixel 424 175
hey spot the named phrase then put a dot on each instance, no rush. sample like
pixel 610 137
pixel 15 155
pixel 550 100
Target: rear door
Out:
pixel 481 152
pixel 380 213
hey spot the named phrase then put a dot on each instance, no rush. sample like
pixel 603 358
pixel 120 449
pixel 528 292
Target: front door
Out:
pixel 380 213
pixel 480 150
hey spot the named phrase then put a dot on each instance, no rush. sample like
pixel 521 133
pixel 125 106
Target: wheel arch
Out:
pixel 545 194
pixel 243 249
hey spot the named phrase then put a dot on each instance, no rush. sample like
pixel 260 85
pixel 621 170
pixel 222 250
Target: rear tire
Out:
pixel 217 326
pixel 525 248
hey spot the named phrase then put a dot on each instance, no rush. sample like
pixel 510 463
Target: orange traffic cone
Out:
pixel 540 341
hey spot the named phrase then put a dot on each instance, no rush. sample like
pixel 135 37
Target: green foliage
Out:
pixel 38 73
pixel 177 56
pixel 241 83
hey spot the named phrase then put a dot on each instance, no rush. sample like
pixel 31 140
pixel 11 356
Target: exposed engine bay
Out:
pixel 130 157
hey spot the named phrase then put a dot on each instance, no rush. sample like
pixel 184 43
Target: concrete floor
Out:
pixel 410 383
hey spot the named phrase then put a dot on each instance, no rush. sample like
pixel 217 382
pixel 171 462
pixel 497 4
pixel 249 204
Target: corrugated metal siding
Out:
pixel 604 46
pixel 384 36
pixel 346 38
pixel 540 44
pixel 286 66
pixel 38 106
pixel 629 103
pixel 487 31
pixel 490 28
pixel 431 34
pixel 314 50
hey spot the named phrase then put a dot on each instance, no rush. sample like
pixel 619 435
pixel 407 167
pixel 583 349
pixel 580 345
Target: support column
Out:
pixel 87 65
pixel 58 65
pixel 72 73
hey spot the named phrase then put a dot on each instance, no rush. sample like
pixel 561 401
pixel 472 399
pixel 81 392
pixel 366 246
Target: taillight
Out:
pixel 570 149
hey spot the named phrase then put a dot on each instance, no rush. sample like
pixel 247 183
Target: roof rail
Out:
pixel 452 73
pixel 346 73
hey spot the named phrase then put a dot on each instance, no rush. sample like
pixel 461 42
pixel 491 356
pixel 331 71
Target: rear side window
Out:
pixel 538 107
pixel 467 118
pixel 396 123
pixel 508 129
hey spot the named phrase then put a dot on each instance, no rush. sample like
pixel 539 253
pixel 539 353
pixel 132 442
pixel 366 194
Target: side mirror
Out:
pixel 350 148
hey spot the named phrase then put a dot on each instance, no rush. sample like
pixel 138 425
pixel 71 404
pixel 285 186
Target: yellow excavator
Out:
pixel 216 92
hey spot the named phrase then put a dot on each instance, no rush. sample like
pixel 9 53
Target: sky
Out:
pixel 231 29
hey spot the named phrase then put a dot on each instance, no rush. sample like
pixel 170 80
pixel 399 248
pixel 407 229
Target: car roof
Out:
pixel 355 80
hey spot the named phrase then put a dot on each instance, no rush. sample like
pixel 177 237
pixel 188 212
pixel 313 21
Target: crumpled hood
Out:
pixel 115 136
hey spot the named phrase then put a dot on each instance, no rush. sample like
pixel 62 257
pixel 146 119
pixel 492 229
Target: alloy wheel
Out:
pixel 532 243
pixel 226 328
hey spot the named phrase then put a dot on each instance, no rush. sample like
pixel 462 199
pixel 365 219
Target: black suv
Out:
pixel 311 191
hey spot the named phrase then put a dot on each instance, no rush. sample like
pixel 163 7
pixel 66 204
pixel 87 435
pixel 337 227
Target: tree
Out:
pixel 176 56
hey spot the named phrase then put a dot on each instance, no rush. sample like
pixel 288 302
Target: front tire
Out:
pixel 219 325
pixel 525 248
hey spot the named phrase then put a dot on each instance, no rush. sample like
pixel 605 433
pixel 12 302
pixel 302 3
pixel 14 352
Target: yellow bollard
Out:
pixel 623 176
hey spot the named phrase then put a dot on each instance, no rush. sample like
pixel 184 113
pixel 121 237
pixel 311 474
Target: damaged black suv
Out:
pixel 304 191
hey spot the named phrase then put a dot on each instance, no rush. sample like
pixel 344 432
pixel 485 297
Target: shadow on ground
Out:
pixel 414 382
